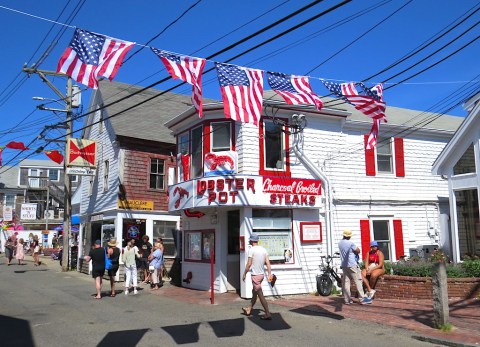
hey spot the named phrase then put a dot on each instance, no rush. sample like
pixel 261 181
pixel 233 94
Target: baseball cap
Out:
pixel 254 238
pixel 98 242
pixel 373 244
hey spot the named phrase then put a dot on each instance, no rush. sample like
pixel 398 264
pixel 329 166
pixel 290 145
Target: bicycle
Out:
pixel 325 280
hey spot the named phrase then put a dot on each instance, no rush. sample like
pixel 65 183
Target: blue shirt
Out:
pixel 347 255
pixel 157 260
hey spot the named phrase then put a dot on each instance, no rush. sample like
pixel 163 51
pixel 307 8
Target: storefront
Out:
pixel 221 212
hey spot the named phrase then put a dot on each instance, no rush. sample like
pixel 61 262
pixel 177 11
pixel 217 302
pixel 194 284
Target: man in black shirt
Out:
pixel 97 256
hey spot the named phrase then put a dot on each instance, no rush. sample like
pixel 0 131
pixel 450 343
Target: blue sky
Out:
pixel 360 48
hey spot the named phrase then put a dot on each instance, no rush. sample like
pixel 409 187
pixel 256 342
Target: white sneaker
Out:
pixel 371 293
pixel 126 292
pixel 135 292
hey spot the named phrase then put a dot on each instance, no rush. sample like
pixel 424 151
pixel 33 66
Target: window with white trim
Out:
pixel 221 136
pixel 274 228
pixel 384 155
pixel 54 174
pixel 157 174
pixel 381 234
pixel 9 200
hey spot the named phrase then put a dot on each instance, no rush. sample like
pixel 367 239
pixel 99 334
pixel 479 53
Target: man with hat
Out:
pixel 350 269
pixel 257 258
pixel 97 256
pixel 113 253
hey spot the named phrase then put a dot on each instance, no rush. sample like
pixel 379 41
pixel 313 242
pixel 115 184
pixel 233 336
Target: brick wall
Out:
pixel 405 288
pixel 136 178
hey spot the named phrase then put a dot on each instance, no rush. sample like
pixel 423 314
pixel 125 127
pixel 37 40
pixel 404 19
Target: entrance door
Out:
pixel 233 256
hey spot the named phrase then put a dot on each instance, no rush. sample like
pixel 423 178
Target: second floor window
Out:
pixel 9 200
pixel 106 169
pixel 384 155
pixel 274 148
pixel 157 174
pixel 54 174
pixel 221 138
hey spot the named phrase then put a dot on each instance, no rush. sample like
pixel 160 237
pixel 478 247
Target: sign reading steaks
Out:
pixel 81 152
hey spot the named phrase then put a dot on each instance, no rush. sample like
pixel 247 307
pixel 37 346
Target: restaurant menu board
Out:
pixel 276 244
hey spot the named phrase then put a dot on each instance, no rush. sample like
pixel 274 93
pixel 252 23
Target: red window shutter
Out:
pixel 399 158
pixel 365 235
pixel 369 158
pixel 398 235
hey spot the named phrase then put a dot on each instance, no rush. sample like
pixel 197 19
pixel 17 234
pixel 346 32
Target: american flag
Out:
pixel 295 90
pixel 188 69
pixel 242 92
pixel 372 137
pixel 91 55
pixel 371 104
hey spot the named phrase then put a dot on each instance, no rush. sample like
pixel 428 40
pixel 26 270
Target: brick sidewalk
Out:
pixel 415 316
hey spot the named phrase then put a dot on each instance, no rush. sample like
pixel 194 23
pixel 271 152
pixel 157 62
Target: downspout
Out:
pixel 328 190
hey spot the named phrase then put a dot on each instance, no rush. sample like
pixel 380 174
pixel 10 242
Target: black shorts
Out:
pixel 113 271
pixel 143 264
pixel 98 273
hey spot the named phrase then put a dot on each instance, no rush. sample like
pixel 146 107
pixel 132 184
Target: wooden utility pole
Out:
pixel 67 214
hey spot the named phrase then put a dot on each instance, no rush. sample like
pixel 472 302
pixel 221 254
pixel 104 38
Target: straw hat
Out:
pixel 112 242
pixel 347 233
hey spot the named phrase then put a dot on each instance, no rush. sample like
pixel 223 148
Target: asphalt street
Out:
pixel 41 306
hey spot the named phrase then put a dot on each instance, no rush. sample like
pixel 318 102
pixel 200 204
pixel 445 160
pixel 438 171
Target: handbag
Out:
pixel 108 261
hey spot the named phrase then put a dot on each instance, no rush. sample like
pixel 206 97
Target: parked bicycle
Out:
pixel 329 274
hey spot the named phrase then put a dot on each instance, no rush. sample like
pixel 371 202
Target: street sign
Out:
pixel 81 171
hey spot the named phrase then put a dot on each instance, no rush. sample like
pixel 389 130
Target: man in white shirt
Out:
pixel 257 259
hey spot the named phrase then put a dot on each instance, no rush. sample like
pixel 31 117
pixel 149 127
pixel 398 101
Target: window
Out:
pixel 221 136
pixel 384 155
pixel 198 245
pixel 9 200
pixel 386 158
pixel 274 148
pixel 157 174
pixel 387 232
pixel 197 152
pixel 105 175
pixel 468 222
pixel 90 185
pixel 54 174
pixel 466 164
pixel 167 231
pixel 73 178
pixel 274 228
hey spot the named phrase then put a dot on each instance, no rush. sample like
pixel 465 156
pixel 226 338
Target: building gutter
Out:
pixel 328 189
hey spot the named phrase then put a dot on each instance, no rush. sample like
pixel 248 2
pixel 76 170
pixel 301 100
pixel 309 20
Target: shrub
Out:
pixel 472 266
pixel 417 267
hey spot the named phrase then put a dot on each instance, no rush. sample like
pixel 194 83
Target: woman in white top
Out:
pixel 129 254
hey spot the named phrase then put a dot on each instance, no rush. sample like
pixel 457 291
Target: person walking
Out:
pixel 36 250
pixel 130 252
pixel 20 253
pixel 350 269
pixel 257 259
pixel 113 253
pixel 97 256
pixel 9 246
pixel 146 251
pixel 156 260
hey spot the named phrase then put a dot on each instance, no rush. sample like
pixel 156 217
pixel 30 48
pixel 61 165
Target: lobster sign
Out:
pixel 220 163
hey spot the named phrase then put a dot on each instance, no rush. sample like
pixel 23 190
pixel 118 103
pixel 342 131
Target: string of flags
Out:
pixel 54 155
pixel 91 55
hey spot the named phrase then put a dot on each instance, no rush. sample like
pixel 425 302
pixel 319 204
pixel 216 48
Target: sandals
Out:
pixel 113 295
pixel 246 311
pixel 266 318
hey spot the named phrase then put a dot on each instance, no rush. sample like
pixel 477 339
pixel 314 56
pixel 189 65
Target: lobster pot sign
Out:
pixel 220 163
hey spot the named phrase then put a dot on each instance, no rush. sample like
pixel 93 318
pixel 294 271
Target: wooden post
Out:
pixel 440 295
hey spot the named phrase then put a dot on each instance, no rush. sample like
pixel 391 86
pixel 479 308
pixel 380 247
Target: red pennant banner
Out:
pixel 16 145
pixel 56 156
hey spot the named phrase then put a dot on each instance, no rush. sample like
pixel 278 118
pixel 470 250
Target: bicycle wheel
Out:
pixel 324 285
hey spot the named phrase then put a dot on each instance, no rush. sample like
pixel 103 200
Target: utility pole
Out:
pixel 67 215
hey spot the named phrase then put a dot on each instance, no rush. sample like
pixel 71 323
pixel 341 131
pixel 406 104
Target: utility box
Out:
pixel 427 250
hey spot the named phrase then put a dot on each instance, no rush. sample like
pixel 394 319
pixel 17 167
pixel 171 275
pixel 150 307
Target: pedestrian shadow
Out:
pixel 19 332
pixel 23 271
pixel 317 310
pixel 125 338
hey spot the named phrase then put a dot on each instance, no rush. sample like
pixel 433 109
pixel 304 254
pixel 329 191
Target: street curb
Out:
pixel 441 341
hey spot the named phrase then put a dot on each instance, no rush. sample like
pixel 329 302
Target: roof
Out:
pixel 9 177
pixel 467 133
pixel 145 121
pixel 39 163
